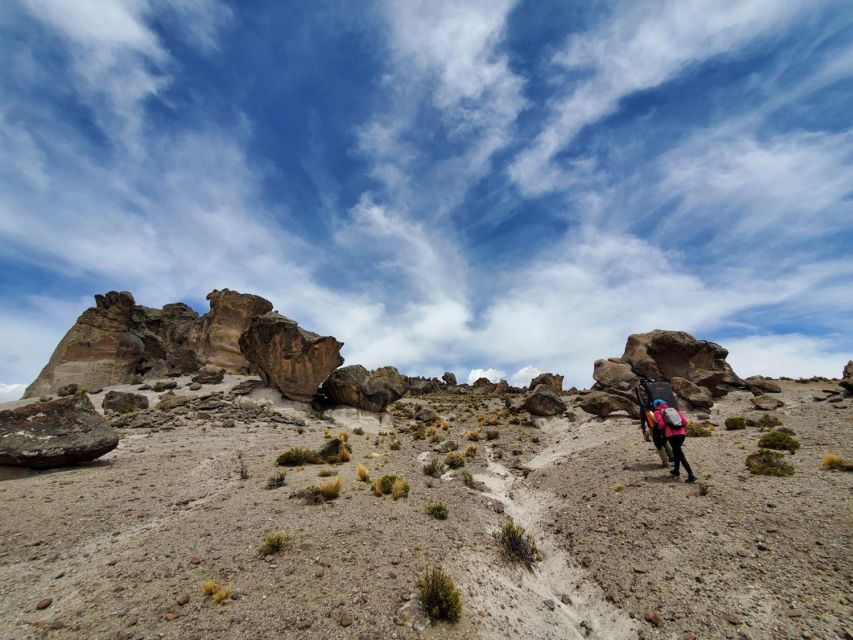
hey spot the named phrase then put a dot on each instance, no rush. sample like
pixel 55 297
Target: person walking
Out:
pixel 673 423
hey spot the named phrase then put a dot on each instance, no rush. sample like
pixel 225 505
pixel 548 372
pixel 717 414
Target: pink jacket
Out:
pixel 668 430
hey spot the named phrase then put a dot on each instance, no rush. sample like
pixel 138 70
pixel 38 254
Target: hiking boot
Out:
pixel 691 479
pixel 675 473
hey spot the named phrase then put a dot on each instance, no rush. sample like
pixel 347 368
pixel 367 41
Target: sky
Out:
pixel 490 187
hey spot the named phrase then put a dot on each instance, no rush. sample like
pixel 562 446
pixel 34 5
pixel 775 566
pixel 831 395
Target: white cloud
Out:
pixel 792 355
pixel 641 46
pixel 9 392
pixel 523 376
pixel 495 375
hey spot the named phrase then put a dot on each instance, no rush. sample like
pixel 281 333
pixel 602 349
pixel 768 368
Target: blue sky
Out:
pixel 483 186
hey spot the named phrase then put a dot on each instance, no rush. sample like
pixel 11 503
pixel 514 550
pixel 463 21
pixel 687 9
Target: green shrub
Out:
pixel 768 463
pixel 468 479
pixel 518 545
pixel 735 424
pixel 699 429
pixel 492 434
pixel 437 510
pixel 766 421
pixel 273 543
pixel 439 597
pixel 276 481
pixel 297 457
pixel 454 460
pixel 779 441
pixel 396 486
pixel 434 468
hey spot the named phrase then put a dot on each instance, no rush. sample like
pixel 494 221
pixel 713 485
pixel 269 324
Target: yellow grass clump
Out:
pixel 222 594
pixel 400 489
pixel 835 462
pixel 363 473
pixel 471 451
pixel 330 490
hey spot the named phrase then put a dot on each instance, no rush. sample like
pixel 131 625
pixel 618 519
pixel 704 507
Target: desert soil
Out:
pixel 111 547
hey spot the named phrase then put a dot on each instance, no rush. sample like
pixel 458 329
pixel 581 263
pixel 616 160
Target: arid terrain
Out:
pixel 628 551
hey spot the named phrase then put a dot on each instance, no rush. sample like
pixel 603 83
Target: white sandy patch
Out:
pixel 351 418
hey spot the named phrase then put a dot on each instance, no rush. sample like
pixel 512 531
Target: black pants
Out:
pixel 658 438
pixel 678 454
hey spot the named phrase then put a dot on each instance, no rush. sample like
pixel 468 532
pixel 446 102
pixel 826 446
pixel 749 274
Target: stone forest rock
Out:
pixel 759 385
pixel 847 376
pixel 484 384
pixel 449 378
pixel 54 433
pixel 422 386
pixel 123 402
pixel 697 397
pixel 602 404
pixel 209 375
pixel 613 373
pixel 355 386
pixel 552 380
pixel 216 335
pixel 286 356
pixel 544 402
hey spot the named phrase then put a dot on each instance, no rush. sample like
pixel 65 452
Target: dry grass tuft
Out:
pixel 471 451
pixel 273 543
pixel 363 473
pixel 439 597
pixel 208 587
pixel 222 594
pixel 473 436
pixel 834 462
pixel 518 545
pixel 330 490
pixel 400 488
pixel 454 460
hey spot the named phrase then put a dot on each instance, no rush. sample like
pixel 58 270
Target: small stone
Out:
pixel 345 619
pixel 183 599
pixel 171 616
pixel 195 560
pixel 638 568
pixel 565 598
pixel 44 603
pixel 550 604
pixel 195 386
pixel 653 617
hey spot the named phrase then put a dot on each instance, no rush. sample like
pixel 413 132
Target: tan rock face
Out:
pixel 614 373
pixel 552 380
pixel 355 386
pixel 664 355
pixel 54 433
pixel 544 402
pixel 214 338
pixel 286 356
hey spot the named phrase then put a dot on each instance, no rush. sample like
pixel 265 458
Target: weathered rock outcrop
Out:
pixel 612 373
pixel 286 356
pixel 544 402
pixel 123 402
pixel 603 404
pixel 484 384
pixel 847 377
pixel 419 386
pixel 54 433
pixel 209 375
pixel 552 380
pixel 449 378
pixel 118 341
pixel 214 337
pixel 664 355
pixel 355 386
pixel 759 385
pixel 697 397
pixel 766 403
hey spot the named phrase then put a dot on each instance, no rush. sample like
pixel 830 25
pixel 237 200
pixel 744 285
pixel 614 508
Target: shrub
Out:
pixel 766 421
pixel 468 479
pixel 780 441
pixel 471 451
pixel 834 462
pixel 518 545
pixel 768 463
pixel 400 488
pixel 473 436
pixel 454 460
pixel 273 543
pixel 437 510
pixel 276 481
pixel 735 424
pixel 439 597
pixel 219 592
pixel 330 490
pixel 208 587
pixel 297 457
pixel 492 434
pixel 395 445
pixel 363 473
pixel 434 468
pixel 326 473
pixel 698 430
pixel 358 431
pixel 618 486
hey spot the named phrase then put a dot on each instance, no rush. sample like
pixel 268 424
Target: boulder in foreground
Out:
pixel 54 433
pixel 289 358
pixel 603 404
pixel 355 386
pixel 544 402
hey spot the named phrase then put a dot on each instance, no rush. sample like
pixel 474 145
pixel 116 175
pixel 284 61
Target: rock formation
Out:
pixel 54 433
pixel 355 386
pixel 215 336
pixel 117 341
pixel 696 369
pixel 419 386
pixel 847 377
pixel 449 378
pixel 551 380
pixel 484 384
pixel 286 356
pixel 760 384
pixel 209 375
pixel 603 404
pixel 544 402
pixel 123 402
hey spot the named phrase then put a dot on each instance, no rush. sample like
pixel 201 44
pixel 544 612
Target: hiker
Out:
pixel 673 423
pixel 651 427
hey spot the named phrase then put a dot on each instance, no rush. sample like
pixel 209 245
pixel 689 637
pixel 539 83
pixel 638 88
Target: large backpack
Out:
pixel 672 418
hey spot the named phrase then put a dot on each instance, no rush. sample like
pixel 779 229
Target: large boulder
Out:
pixel 847 376
pixel 216 335
pixel 449 378
pixel 766 403
pixel 759 385
pixel 355 386
pixel 696 397
pixel 54 433
pixel 544 402
pixel 551 380
pixel 602 404
pixel 484 384
pixel 209 375
pixel 615 374
pixel 286 356
pixel 664 355
pixel 419 386
pixel 123 402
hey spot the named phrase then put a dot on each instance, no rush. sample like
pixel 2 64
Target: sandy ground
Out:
pixel 116 542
